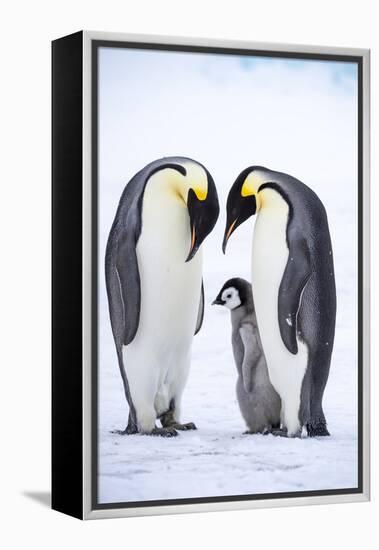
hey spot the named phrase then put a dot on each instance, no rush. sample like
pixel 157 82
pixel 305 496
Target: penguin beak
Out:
pixel 203 214
pixel 218 301
pixel 238 210
pixel 228 231
pixel 194 245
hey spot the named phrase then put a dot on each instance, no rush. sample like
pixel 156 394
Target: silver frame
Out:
pixel 88 512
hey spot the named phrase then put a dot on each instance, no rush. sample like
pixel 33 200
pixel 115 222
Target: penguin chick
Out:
pixel 258 401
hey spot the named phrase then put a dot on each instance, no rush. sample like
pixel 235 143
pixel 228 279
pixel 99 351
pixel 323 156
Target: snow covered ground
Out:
pixel 305 124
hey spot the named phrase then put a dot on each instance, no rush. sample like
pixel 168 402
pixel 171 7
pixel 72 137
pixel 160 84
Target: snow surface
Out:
pixel 298 117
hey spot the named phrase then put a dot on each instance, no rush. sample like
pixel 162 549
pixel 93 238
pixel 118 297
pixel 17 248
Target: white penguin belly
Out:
pixel 157 360
pixel 269 259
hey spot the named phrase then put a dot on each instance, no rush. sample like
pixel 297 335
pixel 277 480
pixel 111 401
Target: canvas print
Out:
pixel 227 359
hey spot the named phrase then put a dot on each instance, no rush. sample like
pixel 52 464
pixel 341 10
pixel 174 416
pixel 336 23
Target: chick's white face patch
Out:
pixel 231 297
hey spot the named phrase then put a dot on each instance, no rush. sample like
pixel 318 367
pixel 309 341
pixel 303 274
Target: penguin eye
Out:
pixel 228 295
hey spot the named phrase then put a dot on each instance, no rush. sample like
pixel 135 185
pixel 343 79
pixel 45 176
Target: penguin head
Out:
pixel 200 195
pixel 243 199
pixel 192 185
pixel 234 293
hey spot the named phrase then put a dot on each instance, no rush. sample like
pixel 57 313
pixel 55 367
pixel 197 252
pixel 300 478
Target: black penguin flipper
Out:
pixel 200 315
pixel 121 266
pixel 294 280
pixel 130 286
pixel 123 287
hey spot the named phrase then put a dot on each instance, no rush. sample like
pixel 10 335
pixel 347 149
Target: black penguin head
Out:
pixel 234 293
pixel 203 212
pixel 194 185
pixel 243 201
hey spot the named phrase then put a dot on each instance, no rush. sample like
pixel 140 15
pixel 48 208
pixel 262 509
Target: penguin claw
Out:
pixel 279 432
pixel 185 427
pixel 128 431
pixel 164 432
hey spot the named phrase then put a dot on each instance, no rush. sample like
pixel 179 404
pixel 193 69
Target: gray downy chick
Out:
pixel 258 401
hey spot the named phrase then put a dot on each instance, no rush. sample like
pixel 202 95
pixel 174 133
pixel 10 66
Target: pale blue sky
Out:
pixel 341 75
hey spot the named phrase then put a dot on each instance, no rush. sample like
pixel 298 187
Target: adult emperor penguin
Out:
pixel 293 286
pixel 153 270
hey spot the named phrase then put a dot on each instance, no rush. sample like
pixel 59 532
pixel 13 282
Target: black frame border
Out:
pixel 67 254
pixel 237 51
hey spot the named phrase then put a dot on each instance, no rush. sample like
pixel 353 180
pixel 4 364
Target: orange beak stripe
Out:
pixel 230 229
pixel 193 238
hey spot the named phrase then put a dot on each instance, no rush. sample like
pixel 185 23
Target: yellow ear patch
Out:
pixel 247 190
pixel 251 185
pixel 201 193
pixel 195 179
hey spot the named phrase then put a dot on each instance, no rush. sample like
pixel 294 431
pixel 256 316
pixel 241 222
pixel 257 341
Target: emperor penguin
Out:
pixel 258 401
pixel 293 287
pixel 153 269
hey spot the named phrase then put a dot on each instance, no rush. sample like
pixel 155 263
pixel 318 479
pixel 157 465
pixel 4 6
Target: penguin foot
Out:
pixel 283 432
pixel 279 432
pixel 129 430
pixel 184 427
pixel 164 432
pixel 317 429
pixel 168 421
pixel 262 431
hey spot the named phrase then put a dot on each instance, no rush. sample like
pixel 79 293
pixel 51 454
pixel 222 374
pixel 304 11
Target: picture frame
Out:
pixel 75 274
